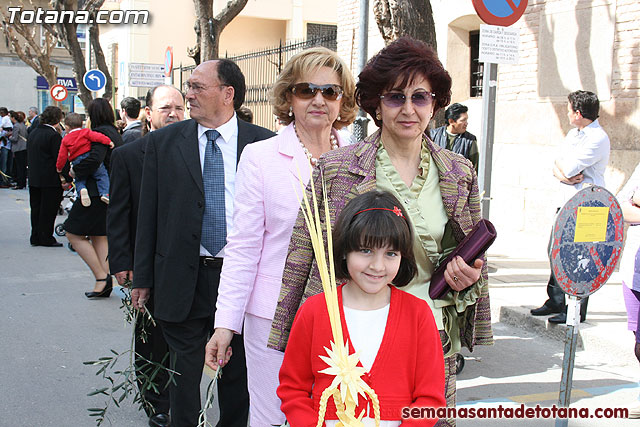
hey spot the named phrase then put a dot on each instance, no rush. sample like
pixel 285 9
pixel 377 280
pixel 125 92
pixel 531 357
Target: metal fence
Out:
pixel 261 69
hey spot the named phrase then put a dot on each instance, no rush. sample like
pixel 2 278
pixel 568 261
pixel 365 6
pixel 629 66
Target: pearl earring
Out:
pixel 339 118
pixel 290 111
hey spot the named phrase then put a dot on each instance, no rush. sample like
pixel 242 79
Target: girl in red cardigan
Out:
pixel 394 332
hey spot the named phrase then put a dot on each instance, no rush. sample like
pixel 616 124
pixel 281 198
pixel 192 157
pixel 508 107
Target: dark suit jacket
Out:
pixel 170 217
pixel 34 124
pixel 122 215
pixel 43 145
pixel 132 133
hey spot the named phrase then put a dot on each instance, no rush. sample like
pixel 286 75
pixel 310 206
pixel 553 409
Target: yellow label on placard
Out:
pixel 591 224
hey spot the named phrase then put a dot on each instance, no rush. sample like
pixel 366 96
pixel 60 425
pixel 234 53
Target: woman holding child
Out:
pixel 401 88
pixel 314 96
pixel 90 220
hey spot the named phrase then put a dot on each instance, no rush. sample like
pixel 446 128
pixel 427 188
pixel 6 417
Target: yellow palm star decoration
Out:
pixel 348 382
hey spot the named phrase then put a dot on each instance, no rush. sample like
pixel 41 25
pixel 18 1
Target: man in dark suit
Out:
pixel 186 204
pixel 164 105
pixel 45 190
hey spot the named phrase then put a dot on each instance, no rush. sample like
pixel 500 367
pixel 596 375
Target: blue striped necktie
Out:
pixel 214 223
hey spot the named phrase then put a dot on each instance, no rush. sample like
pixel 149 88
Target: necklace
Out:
pixel 313 160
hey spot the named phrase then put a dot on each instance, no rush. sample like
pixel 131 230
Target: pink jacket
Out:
pixel 265 210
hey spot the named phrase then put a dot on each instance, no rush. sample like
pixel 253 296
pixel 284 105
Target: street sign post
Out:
pixel 503 13
pixel 94 80
pixel 586 244
pixel 59 93
pixel 168 61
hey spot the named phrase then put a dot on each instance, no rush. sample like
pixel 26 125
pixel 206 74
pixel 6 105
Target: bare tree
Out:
pixel 66 33
pixel 29 48
pixel 208 28
pixel 412 18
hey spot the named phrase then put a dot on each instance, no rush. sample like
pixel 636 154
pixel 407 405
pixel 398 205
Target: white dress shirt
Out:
pixel 228 143
pixel 587 151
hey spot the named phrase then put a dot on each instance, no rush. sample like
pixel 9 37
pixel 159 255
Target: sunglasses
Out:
pixel 397 99
pixel 309 90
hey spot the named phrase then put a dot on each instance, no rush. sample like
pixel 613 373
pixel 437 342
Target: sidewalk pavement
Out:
pixel 518 275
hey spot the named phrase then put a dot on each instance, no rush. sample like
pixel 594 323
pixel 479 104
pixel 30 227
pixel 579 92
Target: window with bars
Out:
pixel 477 67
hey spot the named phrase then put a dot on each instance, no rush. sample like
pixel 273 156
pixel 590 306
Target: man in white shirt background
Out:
pixel 582 161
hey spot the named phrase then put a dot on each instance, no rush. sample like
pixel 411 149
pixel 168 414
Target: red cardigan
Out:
pixel 408 370
pixel 78 142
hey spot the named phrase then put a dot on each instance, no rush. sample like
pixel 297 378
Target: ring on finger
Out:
pixel 455 278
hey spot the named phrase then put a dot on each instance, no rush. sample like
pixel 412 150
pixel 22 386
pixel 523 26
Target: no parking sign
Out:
pixel 500 12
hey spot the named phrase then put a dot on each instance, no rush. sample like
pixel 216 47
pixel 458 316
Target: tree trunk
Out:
pixel 208 28
pixel 413 18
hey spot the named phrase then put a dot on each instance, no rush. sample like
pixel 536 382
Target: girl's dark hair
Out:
pixel 397 65
pixel 100 113
pixel 374 229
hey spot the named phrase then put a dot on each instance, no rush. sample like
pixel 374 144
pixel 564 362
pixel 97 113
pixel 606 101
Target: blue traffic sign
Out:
pixel 94 80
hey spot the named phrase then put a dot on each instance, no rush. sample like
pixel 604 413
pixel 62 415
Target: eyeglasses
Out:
pixel 309 90
pixel 397 99
pixel 196 88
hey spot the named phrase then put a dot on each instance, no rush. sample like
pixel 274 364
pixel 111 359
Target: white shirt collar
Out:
pixel 227 130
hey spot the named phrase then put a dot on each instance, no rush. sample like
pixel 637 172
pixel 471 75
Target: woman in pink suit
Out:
pixel 314 96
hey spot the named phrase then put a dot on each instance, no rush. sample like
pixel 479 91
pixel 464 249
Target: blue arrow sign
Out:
pixel 94 80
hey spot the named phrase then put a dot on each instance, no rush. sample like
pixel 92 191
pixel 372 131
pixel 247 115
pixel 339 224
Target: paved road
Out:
pixel 48 329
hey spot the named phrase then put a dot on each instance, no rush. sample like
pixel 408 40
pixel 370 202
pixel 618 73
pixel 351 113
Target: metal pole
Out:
pixel 489 89
pixel 570 344
pixel 360 124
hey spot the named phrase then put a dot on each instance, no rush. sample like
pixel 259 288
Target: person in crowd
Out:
pixel 45 189
pixel 581 161
pixel 6 127
pixel 393 332
pixel 18 140
pixel 164 106
pixel 129 111
pixel 245 113
pixel 401 87
pixel 75 147
pixel 34 119
pixel 186 205
pixel 454 136
pixel 314 96
pixel 91 221
pixel 629 198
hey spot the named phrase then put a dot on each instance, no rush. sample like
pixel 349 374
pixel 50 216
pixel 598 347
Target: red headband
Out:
pixel 396 210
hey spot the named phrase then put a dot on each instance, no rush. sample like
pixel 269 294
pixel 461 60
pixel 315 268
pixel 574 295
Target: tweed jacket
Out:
pixel 349 172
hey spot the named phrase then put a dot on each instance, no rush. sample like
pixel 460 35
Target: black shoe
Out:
pixel 105 292
pixel 51 245
pixel 562 318
pixel 159 420
pixel 16 187
pixel 545 310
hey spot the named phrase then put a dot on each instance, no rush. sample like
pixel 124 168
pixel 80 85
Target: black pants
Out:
pixel 20 167
pixel 153 348
pixel 557 300
pixel 186 341
pixel 44 202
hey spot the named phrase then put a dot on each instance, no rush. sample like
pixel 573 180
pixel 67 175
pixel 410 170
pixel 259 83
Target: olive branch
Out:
pixel 123 383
